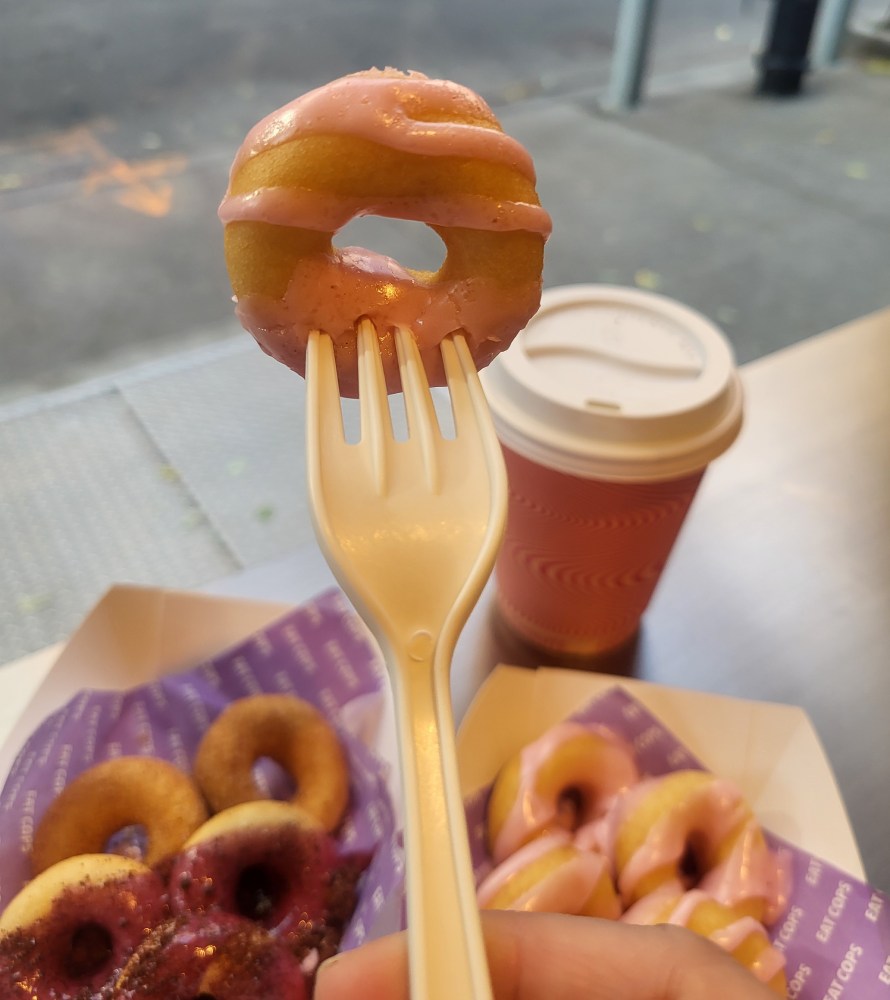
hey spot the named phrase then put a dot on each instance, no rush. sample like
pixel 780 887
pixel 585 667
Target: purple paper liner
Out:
pixel 835 932
pixel 319 651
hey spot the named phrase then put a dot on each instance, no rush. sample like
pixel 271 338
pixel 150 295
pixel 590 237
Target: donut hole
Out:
pixel 571 808
pixel 89 950
pixel 398 416
pixel 691 867
pixel 413 244
pixel 272 780
pixel 129 842
pixel 258 892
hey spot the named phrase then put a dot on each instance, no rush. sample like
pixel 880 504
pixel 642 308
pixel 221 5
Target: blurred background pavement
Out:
pixel 142 434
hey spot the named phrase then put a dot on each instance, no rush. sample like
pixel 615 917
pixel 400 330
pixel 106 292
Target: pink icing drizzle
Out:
pixel 672 905
pixel 566 888
pixel 377 106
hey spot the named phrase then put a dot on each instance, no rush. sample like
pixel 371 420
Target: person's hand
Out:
pixel 551 957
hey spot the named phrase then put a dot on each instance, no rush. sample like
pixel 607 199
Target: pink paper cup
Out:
pixel 609 406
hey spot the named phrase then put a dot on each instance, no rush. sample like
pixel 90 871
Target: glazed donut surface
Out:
pixel 397 145
pixel 293 734
pixel 125 791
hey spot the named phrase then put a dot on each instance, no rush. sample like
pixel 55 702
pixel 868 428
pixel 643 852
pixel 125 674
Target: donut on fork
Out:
pixel 398 145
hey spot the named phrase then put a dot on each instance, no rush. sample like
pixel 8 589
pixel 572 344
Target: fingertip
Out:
pixel 324 978
pixel 375 971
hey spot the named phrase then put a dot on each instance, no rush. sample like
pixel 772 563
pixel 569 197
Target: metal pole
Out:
pixel 830 31
pixel 629 54
pixel 784 61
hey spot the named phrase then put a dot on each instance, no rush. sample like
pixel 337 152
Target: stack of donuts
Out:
pixel 573 827
pixel 220 894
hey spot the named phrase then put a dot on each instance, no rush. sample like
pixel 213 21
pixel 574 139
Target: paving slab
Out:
pixel 87 500
pixel 829 145
pixel 765 262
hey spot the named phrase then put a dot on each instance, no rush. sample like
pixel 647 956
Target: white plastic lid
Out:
pixel 616 383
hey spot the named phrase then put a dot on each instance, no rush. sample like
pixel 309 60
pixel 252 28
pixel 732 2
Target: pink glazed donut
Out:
pixel 564 780
pixel 690 829
pixel 397 145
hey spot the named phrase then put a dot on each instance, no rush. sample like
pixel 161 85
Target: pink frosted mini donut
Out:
pixel 690 829
pixel 72 928
pixel 551 875
pixel 564 780
pixel 743 937
pixel 397 145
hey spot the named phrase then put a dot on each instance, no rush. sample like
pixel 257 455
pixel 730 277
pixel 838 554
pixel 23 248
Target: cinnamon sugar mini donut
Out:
pixel 397 145
pixel 743 937
pixel 142 792
pixel 272 864
pixel 551 875
pixel 72 928
pixel 293 734
pixel 563 780
pixel 691 829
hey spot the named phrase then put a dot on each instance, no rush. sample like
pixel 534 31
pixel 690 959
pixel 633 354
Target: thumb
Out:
pixel 534 956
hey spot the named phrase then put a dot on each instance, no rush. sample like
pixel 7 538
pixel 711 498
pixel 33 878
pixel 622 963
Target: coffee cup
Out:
pixel 609 407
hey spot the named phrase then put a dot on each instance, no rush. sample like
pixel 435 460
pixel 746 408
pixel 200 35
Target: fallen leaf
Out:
pixel 193 518
pixel 30 604
pixel 650 280
pixel 877 67
pixel 856 170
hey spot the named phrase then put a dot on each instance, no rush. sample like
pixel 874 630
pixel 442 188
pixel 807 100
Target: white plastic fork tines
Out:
pixel 411 529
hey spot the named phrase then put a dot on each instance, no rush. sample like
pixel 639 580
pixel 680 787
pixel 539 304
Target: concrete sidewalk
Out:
pixel 144 437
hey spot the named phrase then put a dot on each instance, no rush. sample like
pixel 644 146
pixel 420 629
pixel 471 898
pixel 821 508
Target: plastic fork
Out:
pixel 411 529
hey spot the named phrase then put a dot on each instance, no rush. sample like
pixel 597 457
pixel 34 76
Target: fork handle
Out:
pixel 446 950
